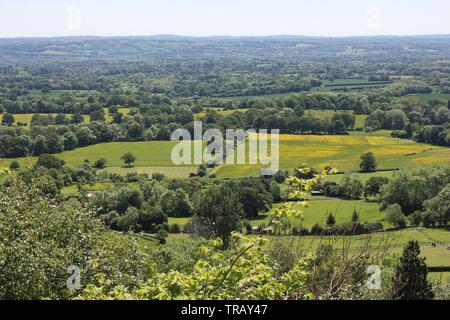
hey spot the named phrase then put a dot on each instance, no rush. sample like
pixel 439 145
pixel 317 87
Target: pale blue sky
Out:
pixel 224 17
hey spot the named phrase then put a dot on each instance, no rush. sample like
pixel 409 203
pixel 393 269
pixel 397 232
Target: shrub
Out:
pixel 100 163
pixel 158 176
pixel 161 236
pixel 248 226
pixel 174 228
pixel 331 189
pixel 395 216
pixel 202 171
pixel 416 218
pixel 368 162
pixel 178 254
pixel 281 176
pixel 299 230
pixel 14 165
pixel 331 221
pixel 351 187
pixel 318 230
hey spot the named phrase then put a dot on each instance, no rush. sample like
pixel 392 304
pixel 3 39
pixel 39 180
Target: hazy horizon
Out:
pixel 221 36
pixel 206 18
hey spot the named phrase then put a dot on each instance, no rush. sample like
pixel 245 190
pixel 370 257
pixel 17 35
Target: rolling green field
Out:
pixel 394 240
pixel 343 153
pixel 341 209
pixel 318 212
pixel 148 153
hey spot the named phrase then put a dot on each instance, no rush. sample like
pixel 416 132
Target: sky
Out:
pixel 31 18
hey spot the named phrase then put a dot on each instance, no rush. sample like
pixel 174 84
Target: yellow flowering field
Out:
pixel 343 153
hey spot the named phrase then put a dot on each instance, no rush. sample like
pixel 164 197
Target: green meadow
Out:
pixel 148 153
pixel 324 114
pixel 363 176
pixel 341 152
pixel 395 241
pixel 26 117
pixel 392 241
pixel 319 211
pixel 221 111
pixel 342 210
pixel 170 172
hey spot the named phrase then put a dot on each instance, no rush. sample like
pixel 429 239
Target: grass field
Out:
pixel 363 176
pixel 145 243
pixel 169 172
pixel 352 84
pixel 395 240
pixel 109 118
pixel 442 277
pixel 180 221
pixel 341 209
pixel 26 118
pixel 221 111
pixel 318 212
pixel 323 114
pixel 377 133
pixel 99 186
pixel 148 153
pixel 343 153
pixel 436 257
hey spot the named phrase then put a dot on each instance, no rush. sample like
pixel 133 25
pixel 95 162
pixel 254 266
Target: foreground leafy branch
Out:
pixel 243 272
